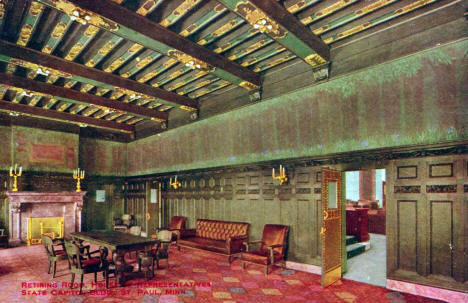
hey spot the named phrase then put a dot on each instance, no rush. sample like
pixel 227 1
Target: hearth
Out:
pixel 42 205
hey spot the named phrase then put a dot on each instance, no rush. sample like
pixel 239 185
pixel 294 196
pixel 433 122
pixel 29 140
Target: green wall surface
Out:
pixel 104 158
pixel 38 149
pixel 418 99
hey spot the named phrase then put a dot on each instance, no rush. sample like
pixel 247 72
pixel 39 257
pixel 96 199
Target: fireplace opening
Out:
pixel 49 226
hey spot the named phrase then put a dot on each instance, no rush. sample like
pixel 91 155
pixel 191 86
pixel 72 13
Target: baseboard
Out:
pixel 428 291
pixel 313 269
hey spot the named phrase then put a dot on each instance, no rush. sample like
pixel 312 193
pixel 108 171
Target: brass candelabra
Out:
pixel 78 175
pixel 176 184
pixel 282 175
pixel 15 173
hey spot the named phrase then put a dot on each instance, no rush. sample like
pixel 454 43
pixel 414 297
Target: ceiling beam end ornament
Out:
pixel 274 20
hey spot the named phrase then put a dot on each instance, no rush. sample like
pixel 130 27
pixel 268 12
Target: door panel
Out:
pixel 331 226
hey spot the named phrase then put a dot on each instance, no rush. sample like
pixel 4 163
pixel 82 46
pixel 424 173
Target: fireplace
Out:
pixel 24 205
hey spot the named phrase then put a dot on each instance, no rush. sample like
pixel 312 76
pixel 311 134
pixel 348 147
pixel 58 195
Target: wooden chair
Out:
pixel 82 263
pixel 272 248
pixel 123 223
pixel 176 226
pixel 135 230
pixel 159 252
pixel 54 254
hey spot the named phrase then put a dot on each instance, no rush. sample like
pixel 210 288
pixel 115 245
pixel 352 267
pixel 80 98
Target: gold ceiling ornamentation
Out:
pixel 25 34
pixel 144 62
pixel 47 49
pixel 315 59
pixel 189 61
pixel 135 48
pixel 91 31
pixel 187 108
pixel 259 20
pixel 59 30
pixel 2 9
pixel 37 67
pixel 83 16
pixel 114 65
pixel 148 76
pixel 106 48
pixel 74 51
pixel 90 63
pixel 36 8
pixel 248 85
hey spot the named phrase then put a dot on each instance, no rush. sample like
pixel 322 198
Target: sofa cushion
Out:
pixel 220 230
pixel 205 243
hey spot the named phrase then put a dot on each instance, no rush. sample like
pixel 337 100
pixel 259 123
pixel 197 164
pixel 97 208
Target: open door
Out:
pixel 331 226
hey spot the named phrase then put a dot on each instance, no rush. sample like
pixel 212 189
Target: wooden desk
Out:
pixel 357 223
pixel 118 243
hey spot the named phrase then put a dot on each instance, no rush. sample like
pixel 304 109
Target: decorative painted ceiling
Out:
pixel 116 63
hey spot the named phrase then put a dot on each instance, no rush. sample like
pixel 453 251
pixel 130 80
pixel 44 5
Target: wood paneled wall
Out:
pixel 254 197
pixel 99 215
pixel 427 215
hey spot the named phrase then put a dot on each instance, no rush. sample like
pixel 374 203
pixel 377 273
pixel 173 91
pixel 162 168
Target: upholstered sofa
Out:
pixel 221 237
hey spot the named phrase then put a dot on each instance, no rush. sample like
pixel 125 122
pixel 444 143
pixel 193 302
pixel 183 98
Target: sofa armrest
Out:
pixel 187 233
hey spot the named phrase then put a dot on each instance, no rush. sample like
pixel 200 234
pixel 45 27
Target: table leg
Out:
pixel 118 258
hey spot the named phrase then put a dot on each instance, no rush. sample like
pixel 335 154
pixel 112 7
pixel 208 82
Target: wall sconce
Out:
pixel 78 175
pixel 176 184
pixel 282 175
pixel 15 173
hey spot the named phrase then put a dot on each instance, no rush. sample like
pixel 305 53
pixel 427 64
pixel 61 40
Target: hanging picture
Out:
pixel 100 195
pixel 154 196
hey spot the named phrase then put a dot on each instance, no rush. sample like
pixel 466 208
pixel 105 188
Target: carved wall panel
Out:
pixel 426 213
pixel 255 197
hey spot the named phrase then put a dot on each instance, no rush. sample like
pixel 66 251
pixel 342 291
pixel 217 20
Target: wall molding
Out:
pixel 428 291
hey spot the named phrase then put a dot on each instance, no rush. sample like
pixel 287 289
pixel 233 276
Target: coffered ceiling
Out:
pixel 118 64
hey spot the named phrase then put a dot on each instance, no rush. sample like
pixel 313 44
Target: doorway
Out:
pixel 366 249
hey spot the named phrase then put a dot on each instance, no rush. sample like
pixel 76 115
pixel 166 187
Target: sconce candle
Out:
pixel 15 173
pixel 78 175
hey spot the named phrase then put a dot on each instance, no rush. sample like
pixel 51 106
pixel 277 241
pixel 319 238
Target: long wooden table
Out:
pixel 118 243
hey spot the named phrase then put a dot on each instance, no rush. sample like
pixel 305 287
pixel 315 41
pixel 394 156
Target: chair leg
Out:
pixel 53 268
pixel 157 263
pixel 106 275
pixel 95 276
pixel 48 270
pixel 72 280
pixel 243 264
pixel 81 283
pixel 229 259
pixel 266 270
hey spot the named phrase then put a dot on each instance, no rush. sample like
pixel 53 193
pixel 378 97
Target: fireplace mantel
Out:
pixel 43 204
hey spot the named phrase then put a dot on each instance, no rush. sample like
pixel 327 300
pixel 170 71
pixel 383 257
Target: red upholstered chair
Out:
pixel 176 226
pixel 272 248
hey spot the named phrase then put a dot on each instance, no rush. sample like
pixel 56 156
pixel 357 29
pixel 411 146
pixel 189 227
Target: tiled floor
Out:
pixel 370 266
pixel 204 277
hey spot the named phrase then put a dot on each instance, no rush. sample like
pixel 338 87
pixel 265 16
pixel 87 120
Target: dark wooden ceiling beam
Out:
pixel 282 26
pixel 65 94
pixel 70 118
pixel 135 27
pixel 29 55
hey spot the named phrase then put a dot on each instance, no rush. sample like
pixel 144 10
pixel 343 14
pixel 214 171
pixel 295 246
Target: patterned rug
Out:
pixel 193 276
